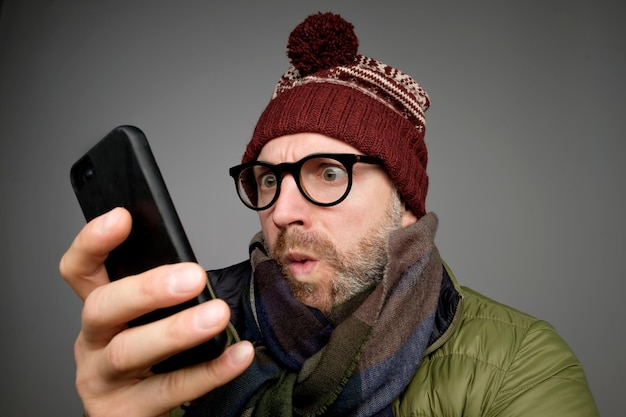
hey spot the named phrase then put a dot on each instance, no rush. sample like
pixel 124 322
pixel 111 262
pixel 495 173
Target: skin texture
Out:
pixel 329 253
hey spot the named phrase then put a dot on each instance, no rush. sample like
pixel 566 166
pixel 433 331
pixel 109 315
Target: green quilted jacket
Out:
pixel 493 360
pixel 486 359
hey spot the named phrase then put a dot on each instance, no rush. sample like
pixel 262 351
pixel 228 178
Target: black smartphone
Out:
pixel 121 171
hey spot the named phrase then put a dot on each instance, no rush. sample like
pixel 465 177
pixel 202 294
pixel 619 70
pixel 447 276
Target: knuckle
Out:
pixel 63 270
pixel 213 373
pixel 116 356
pixel 91 313
pixel 148 289
pixel 176 330
pixel 173 384
pixel 79 353
pixel 192 382
pixel 78 346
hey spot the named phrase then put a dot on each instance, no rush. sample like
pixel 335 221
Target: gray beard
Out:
pixel 357 269
pixel 367 264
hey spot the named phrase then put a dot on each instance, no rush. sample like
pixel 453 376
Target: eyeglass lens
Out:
pixel 323 180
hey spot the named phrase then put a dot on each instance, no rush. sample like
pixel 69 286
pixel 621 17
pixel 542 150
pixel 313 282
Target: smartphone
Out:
pixel 121 171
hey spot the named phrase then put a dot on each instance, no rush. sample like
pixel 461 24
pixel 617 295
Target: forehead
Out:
pixel 290 148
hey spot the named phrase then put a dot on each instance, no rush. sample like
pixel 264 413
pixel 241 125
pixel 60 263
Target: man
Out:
pixel 350 307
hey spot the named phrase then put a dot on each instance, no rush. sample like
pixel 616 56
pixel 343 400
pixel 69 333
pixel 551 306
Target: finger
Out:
pixel 172 389
pixel 136 349
pixel 110 306
pixel 82 266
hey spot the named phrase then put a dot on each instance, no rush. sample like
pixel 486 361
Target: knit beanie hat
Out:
pixel 332 90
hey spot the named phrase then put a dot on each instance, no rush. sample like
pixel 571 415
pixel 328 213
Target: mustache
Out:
pixel 312 244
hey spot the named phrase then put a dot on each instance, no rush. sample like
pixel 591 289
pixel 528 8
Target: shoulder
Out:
pixel 499 330
pixel 498 359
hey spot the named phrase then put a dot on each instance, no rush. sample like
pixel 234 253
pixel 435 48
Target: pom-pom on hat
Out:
pixel 331 89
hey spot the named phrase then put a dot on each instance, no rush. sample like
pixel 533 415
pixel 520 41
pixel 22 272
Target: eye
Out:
pixel 333 173
pixel 267 180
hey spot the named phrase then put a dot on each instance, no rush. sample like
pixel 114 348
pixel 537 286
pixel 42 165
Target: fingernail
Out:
pixel 209 315
pixel 239 353
pixel 106 222
pixel 182 280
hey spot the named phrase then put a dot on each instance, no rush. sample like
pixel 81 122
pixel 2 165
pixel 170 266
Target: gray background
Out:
pixel 526 140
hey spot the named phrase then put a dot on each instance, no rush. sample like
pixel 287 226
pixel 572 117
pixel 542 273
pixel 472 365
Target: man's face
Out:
pixel 330 253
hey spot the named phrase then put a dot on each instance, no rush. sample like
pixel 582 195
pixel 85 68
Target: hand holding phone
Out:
pixel 120 171
pixel 112 362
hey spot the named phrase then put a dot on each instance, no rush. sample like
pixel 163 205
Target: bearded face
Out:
pixel 330 253
pixel 351 271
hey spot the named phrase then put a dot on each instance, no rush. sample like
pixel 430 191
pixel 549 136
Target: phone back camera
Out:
pixel 82 172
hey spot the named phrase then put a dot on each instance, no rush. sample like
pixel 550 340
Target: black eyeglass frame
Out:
pixel 348 160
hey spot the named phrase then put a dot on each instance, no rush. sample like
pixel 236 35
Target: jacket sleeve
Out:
pixel 543 379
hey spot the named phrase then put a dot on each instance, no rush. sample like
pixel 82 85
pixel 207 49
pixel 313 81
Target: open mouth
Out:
pixel 296 258
pixel 299 264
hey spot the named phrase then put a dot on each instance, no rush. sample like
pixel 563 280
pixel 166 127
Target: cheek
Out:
pixel 365 206
pixel 347 226
pixel 360 214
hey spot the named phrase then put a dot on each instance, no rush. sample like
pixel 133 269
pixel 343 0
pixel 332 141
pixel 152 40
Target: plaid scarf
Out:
pixel 354 362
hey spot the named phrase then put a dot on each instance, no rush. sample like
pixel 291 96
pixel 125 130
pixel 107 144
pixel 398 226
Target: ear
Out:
pixel 408 217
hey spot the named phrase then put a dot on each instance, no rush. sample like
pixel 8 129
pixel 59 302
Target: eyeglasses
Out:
pixel 324 179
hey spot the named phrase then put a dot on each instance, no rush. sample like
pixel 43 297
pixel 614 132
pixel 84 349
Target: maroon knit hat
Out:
pixel 330 89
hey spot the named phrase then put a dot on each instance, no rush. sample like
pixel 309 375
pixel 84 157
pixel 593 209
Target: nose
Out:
pixel 291 208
